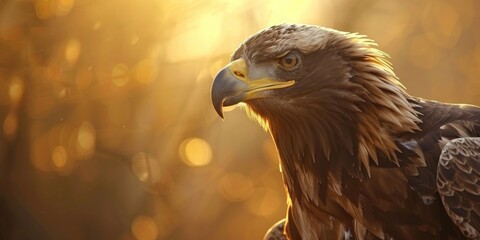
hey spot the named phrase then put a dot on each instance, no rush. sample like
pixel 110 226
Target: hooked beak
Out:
pixel 232 85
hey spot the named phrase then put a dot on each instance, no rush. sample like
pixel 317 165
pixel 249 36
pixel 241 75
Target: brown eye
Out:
pixel 289 61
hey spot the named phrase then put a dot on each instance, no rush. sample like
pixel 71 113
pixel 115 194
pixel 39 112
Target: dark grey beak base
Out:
pixel 227 90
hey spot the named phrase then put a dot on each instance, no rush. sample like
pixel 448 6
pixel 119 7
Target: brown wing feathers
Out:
pixel 458 181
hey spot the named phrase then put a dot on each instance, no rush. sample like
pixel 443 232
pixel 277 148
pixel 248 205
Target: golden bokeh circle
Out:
pixel 195 152
pixel 144 228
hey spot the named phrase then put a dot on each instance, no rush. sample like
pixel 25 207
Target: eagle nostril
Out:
pixel 239 74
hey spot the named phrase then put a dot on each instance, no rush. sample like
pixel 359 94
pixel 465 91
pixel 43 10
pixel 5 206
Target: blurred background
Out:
pixel 107 131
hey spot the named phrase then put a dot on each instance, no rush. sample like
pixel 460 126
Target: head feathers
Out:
pixel 347 95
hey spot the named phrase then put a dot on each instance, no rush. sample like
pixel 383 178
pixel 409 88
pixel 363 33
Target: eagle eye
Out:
pixel 290 61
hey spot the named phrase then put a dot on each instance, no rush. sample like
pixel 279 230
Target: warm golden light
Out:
pixel 423 53
pixel 145 167
pixel 42 9
pixel 86 140
pixel 119 113
pixel 441 23
pixel 195 152
pixel 72 51
pixel 263 202
pixel 61 7
pixel 145 71
pixel 196 41
pixel 235 187
pixel 59 157
pixel 144 228
pixel 216 67
pixel 270 152
pixel 97 25
pixel 48 8
pixel 115 95
pixel 280 11
pixel 84 78
pixel 134 40
pixel 16 89
pixel 120 75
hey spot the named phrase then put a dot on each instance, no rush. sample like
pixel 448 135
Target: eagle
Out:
pixel 360 157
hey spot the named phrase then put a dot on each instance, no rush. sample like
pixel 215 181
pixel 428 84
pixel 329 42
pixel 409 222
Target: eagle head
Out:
pixel 274 67
pixel 328 88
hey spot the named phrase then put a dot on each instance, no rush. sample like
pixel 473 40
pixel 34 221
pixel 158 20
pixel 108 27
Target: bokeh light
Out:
pixel 120 75
pixel 49 8
pixel 42 9
pixel 16 89
pixel 195 152
pixel 146 168
pixel 107 128
pixel 59 157
pixel 144 228
pixel 145 71
pixel 85 140
pixel 72 51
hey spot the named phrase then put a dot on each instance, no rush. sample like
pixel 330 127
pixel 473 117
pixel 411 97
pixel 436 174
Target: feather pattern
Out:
pixel 358 154
pixel 458 184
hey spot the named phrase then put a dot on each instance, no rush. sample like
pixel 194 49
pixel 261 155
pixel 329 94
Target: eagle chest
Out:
pixel 349 204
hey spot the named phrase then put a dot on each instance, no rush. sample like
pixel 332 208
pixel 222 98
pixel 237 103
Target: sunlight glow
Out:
pixel 106 106
pixel 281 11
pixel 216 66
pixel 197 40
pixel 195 152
